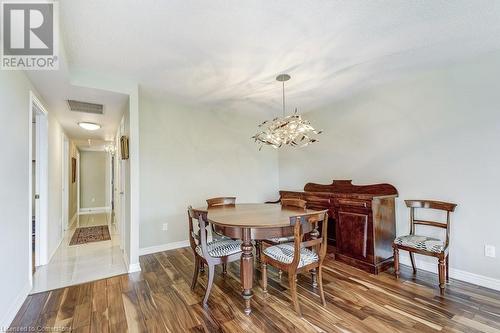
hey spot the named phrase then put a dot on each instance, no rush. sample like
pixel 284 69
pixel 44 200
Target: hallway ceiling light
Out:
pixel 289 130
pixel 89 126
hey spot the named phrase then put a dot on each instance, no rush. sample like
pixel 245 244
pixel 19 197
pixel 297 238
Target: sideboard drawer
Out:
pixel 354 203
pixel 317 202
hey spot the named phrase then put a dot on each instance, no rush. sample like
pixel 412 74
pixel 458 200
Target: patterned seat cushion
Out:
pixel 421 243
pixel 284 253
pixel 280 240
pixel 221 247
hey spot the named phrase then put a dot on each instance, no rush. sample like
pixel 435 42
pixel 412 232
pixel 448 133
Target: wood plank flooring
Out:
pixel 159 299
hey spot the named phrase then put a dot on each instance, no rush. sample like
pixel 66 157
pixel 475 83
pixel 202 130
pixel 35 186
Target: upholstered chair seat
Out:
pixel 284 253
pixel 221 247
pixel 421 243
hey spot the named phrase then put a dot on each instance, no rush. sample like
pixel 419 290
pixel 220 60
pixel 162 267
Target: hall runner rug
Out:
pixel 92 234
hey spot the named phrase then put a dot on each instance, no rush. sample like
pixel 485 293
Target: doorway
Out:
pixel 38 173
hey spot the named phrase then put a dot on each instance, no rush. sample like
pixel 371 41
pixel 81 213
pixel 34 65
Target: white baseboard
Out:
pixel 134 268
pixel 15 306
pixel 458 274
pixel 131 268
pixel 163 247
pixel 94 210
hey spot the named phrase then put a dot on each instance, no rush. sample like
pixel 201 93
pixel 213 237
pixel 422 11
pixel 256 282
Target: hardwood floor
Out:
pixel 158 299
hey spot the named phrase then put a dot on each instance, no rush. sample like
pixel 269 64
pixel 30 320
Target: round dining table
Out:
pixel 252 222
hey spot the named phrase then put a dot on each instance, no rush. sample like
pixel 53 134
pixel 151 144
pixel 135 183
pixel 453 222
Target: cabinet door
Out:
pixel 352 234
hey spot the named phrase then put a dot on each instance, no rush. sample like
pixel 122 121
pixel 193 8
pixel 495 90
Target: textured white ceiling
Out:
pixel 225 54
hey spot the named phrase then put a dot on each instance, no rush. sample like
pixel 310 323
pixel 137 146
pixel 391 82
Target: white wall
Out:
pixel 54 230
pixel 187 156
pixel 14 192
pixel 15 240
pixel 432 135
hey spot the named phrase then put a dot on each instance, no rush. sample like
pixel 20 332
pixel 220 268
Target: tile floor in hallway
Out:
pixel 81 263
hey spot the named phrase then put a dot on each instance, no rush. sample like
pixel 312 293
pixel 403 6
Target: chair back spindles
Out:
pixel 203 235
pixel 448 222
pixel 429 204
pixel 197 237
pixel 308 225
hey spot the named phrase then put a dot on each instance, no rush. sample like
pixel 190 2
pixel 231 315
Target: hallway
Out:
pixel 76 264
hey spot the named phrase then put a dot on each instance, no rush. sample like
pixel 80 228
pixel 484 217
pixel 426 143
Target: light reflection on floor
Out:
pixel 81 263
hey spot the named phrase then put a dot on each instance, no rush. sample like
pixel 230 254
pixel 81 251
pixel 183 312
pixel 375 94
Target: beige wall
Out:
pixel 92 179
pixel 433 135
pixel 187 156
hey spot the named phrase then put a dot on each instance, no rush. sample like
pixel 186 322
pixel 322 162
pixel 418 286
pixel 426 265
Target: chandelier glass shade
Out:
pixel 289 130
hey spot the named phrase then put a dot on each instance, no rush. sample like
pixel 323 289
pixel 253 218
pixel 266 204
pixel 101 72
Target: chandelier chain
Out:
pixel 283 98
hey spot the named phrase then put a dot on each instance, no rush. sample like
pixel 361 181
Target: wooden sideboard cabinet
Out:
pixel 361 224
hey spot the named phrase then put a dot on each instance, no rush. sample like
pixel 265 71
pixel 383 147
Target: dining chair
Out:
pixel 300 256
pixel 424 245
pixel 218 251
pixel 285 202
pixel 290 203
pixel 219 202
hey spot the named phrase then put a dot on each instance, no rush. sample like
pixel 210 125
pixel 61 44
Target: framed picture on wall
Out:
pixel 124 147
pixel 73 169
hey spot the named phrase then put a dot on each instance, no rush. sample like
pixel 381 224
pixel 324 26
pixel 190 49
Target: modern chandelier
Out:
pixel 289 130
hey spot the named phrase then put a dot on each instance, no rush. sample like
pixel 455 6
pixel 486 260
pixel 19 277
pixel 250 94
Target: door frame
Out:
pixel 41 182
pixel 118 187
pixel 65 184
pixel 77 188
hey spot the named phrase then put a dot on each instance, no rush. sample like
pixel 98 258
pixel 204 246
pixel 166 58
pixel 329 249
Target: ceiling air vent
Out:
pixel 78 106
